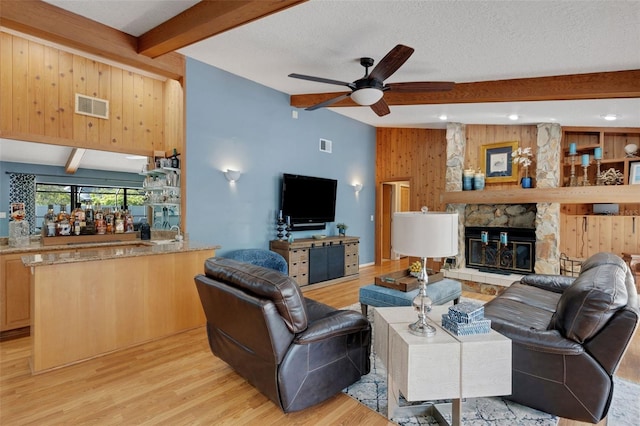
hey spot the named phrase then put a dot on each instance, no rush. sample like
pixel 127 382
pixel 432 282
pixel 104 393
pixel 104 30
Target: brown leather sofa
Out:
pixel 568 336
pixel 296 351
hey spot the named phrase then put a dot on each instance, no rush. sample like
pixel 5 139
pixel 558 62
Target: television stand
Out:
pixel 316 263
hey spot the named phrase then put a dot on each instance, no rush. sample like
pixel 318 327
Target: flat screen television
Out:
pixel 309 201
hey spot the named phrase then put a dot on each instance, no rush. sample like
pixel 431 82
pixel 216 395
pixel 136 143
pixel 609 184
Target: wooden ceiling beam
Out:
pixel 48 22
pixel 602 85
pixel 73 162
pixel 204 20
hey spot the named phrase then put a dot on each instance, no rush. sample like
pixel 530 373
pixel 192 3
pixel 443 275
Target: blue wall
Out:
pixel 233 123
pixel 57 175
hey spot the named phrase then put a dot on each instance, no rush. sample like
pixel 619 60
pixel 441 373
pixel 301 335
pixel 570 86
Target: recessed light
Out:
pixel 610 117
pixel 513 117
pixel 443 117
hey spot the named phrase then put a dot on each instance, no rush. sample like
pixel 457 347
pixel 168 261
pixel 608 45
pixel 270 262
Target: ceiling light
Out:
pixel 443 117
pixel 610 117
pixel 135 157
pixel 366 96
pixel 513 117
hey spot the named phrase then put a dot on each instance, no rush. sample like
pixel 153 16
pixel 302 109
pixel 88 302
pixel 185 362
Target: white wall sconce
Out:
pixel 232 175
pixel 357 187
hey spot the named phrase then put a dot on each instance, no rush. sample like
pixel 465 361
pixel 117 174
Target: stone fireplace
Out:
pixel 516 256
pixel 516 222
pixel 540 219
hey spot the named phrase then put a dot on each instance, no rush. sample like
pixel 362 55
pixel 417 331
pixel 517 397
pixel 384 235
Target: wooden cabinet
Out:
pixel 112 303
pixel 15 292
pixel 299 254
pixel 585 235
pixel 351 258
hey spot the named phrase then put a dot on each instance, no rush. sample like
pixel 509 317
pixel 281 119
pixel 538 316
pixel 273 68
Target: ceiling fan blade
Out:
pixel 420 86
pixel 381 108
pixel 391 62
pixel 321 80
pixel 328 102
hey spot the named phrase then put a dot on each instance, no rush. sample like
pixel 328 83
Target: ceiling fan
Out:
pixel 368 90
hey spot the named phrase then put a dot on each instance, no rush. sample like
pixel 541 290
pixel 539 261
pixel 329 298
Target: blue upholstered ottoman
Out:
pixel 440 292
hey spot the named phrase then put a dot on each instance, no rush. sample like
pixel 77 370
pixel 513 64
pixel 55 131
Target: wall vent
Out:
pixel 325 145
pixel 94 107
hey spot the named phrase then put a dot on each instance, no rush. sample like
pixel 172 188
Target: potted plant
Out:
pixel 415 268
pixel 523 157
pixel 342 228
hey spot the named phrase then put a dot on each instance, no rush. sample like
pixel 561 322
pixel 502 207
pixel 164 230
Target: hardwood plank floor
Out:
pixel 177 381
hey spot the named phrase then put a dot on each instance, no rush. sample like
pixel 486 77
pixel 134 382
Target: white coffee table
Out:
pixel 444 366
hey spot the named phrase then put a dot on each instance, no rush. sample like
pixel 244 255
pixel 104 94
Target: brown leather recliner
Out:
pixel 296 351
pixel 568 336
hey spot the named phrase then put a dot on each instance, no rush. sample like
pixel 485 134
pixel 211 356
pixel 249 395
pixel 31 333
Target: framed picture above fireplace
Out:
pixel 496 162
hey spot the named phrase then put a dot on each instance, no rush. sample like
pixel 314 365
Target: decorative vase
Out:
pixel 526 182
pixel 478 181
pixel 467 180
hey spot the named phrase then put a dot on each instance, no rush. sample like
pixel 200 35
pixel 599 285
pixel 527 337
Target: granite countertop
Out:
pixel 102 251
pixel 36 246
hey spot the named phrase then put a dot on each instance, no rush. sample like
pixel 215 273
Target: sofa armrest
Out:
pixel 548 341
pixel 337 323
pixel 610 344
pixel 555 283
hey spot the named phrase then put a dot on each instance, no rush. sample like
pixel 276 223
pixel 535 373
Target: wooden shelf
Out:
pixel 564 195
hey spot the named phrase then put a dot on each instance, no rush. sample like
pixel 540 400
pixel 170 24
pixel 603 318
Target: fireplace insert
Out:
pixel 500 250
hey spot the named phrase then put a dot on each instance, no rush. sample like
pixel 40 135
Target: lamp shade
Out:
pixel 425 234
pixel 366 96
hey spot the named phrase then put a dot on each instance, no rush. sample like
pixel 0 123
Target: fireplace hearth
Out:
pixel 503 250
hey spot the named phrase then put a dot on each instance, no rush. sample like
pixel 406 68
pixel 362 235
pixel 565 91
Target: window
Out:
pixel 103 197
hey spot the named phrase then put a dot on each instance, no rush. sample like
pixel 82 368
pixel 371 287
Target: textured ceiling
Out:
pixel 461 41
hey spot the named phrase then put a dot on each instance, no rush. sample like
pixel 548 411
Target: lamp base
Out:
pixel 422 329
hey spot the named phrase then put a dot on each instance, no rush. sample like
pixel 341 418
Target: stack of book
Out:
pixel 465 319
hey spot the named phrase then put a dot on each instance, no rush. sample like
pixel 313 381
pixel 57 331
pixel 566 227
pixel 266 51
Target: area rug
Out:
pixel 371 390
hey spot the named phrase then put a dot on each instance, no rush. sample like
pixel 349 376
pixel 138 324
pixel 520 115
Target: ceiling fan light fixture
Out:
pixel 366 96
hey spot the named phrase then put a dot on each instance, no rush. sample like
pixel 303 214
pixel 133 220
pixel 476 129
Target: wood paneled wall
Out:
pixel 478 135
pixel 39 84
pixel 415 155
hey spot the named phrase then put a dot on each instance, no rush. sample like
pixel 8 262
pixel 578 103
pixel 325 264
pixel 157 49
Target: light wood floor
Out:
pixel 177 381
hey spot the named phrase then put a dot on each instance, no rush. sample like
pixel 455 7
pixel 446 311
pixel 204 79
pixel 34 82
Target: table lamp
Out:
pixel 424 234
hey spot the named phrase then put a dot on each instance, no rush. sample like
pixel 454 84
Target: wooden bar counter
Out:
pixel 92 302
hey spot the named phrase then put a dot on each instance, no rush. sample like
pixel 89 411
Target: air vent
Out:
pixel 325 145
pixel 94 107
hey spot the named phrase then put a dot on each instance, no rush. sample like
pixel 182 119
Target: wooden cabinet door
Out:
pixel 15 293
pixel 584 236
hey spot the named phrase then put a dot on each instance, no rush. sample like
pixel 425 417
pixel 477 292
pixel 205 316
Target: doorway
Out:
pixel 396 197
